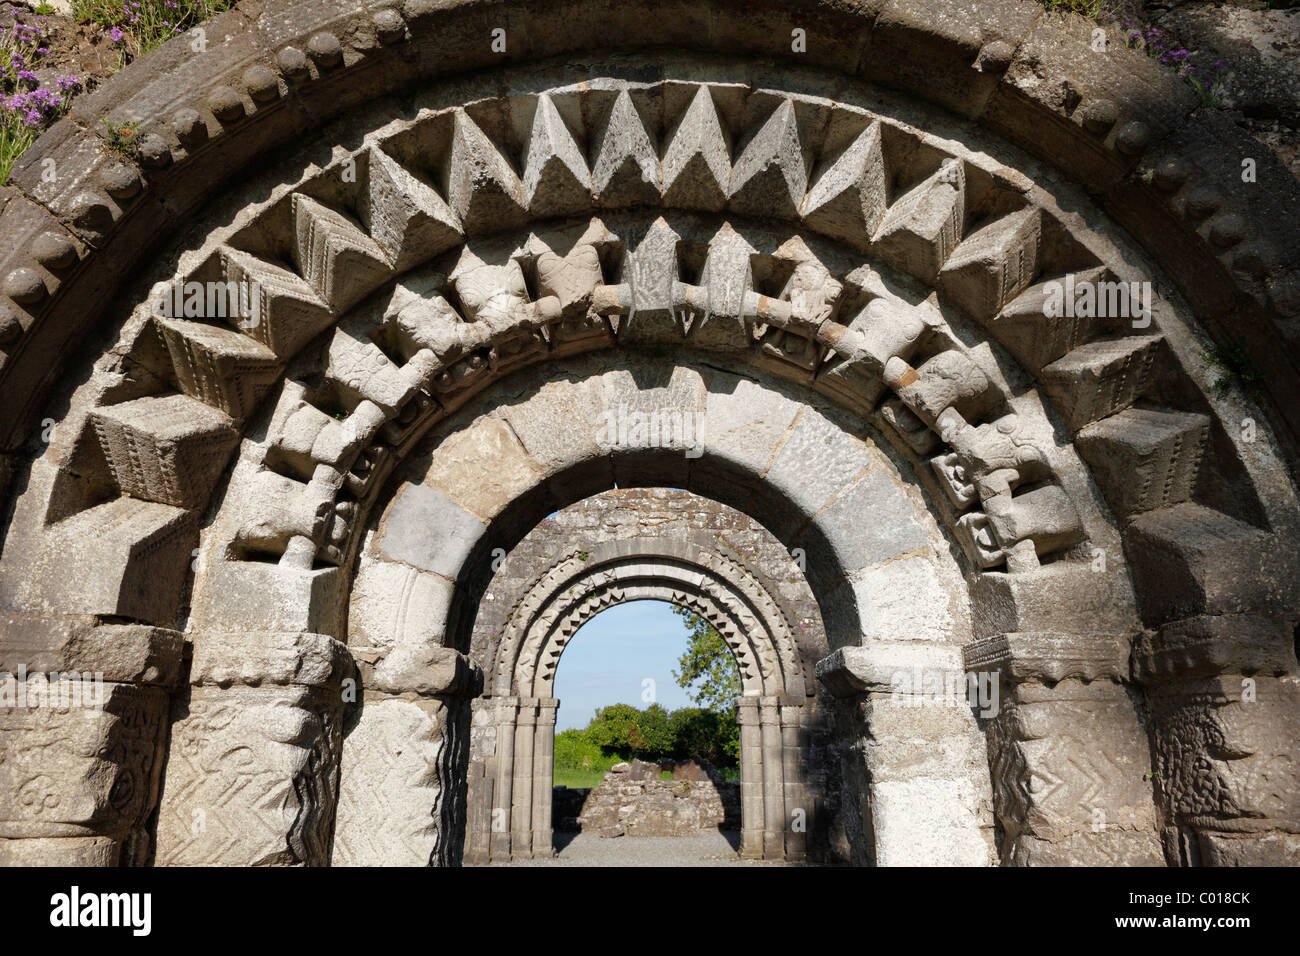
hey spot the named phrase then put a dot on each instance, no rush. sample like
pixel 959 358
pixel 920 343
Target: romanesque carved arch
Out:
pixel 150 429
pixel 576 588
pixel 579 586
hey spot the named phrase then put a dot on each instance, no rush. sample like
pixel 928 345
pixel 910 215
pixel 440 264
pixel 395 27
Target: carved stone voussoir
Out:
pixel 1051 657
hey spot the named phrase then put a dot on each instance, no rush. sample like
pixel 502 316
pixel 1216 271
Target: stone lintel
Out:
pixel 120 653
pixel 1051 656
pixel 1210 645
pixel 254 658
pixel 885 667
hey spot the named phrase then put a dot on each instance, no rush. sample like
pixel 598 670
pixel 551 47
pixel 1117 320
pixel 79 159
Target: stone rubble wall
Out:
pixel 634 801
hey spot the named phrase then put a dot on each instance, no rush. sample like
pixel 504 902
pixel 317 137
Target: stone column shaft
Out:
pixel 773 783
pixel 543 782
pixel 507 712
pixel 751 778
pixel 521 809
pixel 798 815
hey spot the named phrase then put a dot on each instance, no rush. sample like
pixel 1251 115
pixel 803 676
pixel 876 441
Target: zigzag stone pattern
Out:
pixel 896 275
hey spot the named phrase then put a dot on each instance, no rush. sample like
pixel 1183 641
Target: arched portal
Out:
pixel 845 285
pixel 772 707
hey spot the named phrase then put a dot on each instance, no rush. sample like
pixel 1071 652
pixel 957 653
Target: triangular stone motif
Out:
pixel 697 163
pixel 556 179
pixel 771 176
pixel 626 170
pixel 481 186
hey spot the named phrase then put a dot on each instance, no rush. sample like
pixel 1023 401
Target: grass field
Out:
pixel 576 778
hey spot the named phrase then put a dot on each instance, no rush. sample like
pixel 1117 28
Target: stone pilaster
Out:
pixel 773 780
pixel 798 813
pixel 922 759
pixel 507 713
pixel 82 733
pixel 1225 704
pixel 400 767
pixel 521 809
pixel 1069 755
pixel 252 770
pixel 543 777
pixel 751 779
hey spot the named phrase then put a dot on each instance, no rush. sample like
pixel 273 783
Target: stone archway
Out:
pixel 773 704
pixel 799 230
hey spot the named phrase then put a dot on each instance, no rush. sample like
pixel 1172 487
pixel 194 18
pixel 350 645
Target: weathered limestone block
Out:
pixel 426 529
pixel 254 658
pixel 290 311
pixel 1070 762
pixel 1210 645
pixel 391 785
pixel 393 604
pixel 121 653
pixel 1145 459
pixel 336 257
pixel 1038 333
pixel 1054 597
pixel 848 199
pixel 1101 378
pixel 61 851
pixel 921 760
pixel 427 670
pixel 1189 559
pixel 480 185
pixel 251 777
pixel 922 228
pixel 403 214
pixel 1275 848
pixel 78 770
pixel 994 264
pixel 217 366
pixel 697 157
pixel 168 449
pixel 136 569
pixel 261 596
pixel 1226 752
pixel 482 468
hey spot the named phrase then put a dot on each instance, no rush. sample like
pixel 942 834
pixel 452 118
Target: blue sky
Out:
pixel 612 654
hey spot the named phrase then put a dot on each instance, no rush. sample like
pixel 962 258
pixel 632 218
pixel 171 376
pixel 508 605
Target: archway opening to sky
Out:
pixel 646 739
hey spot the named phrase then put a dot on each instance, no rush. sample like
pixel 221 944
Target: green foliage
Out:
pixel 1234 367
pixel 1092 9
pixel 137 26
pixel 120 137
pixel 30 101
pixel 621 732
pixel 708 668
pixel 621 728
pixel 713 736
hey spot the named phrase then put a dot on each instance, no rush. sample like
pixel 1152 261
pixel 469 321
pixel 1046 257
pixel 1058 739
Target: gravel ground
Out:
pixel 587 849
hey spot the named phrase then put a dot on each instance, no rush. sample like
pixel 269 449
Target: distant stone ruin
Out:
pixel 635 801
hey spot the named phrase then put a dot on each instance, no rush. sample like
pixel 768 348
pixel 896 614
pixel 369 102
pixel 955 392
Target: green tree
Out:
pixel 622 729
pixel 708 670
pixel 710 677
